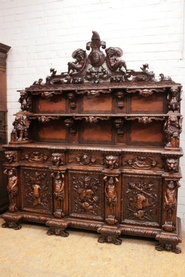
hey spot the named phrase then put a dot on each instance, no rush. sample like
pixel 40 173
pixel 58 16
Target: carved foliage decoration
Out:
pixel 37 190
pixel 145 91
pixel 86 194
pixel 145 119
pixel 141 199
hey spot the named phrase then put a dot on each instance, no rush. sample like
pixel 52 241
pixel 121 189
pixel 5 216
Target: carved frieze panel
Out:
pixel 141 205
pixel 37 190
pixel 145 119
pixel 86 197
pixel 146 91
pixel 142 161
pixel 35 156
pixel 86 158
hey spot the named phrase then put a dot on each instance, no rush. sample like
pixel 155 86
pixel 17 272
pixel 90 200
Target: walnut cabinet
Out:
pixel 97 148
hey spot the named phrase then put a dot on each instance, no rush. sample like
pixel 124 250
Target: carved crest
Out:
pixel 100 65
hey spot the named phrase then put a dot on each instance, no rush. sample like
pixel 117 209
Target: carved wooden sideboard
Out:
pixel 97 148
pixel 3 123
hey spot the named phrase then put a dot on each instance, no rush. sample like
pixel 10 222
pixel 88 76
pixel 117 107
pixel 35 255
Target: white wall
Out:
pixel 44 33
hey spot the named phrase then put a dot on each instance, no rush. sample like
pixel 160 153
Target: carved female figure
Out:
pixel 170 199
pixel 110 192
pixel 58 192
pixel 12 188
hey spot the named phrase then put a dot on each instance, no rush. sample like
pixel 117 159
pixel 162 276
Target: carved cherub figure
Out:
pixel 173 128
pixel 20 131
pixel 174 99
pixel 113 53
pixel 76 66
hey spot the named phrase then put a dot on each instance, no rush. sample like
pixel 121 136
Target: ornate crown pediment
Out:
pixel 101 64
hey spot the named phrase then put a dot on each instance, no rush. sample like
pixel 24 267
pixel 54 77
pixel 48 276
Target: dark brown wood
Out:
pixel 97 148
pixel 3 126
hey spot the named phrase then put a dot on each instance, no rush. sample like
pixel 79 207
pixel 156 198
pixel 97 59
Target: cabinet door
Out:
pixel 86 195
pixel 141 200
pixel 36 190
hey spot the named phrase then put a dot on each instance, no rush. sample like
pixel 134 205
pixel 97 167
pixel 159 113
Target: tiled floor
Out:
pixel 29 252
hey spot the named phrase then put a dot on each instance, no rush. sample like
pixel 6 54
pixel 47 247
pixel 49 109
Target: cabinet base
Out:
pixel 110 234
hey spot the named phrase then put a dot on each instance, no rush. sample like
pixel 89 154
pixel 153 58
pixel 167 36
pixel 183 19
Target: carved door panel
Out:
pixel 141 200
pixel 86 195
pixel 36 188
